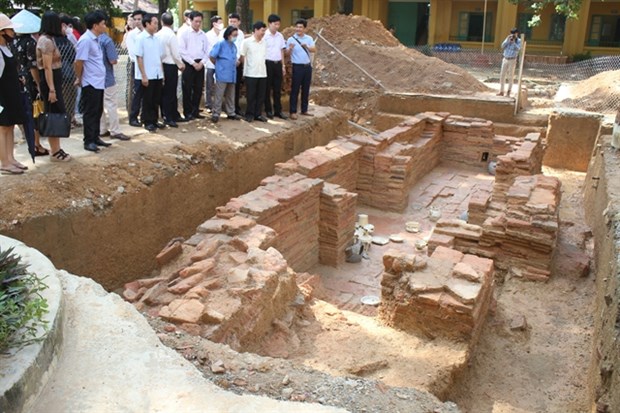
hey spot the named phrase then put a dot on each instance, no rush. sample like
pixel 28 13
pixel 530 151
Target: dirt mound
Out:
pixel 388 64
pixel 599 93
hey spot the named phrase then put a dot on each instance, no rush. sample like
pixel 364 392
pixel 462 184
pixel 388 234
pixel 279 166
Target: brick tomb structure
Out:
pixel 447 294
pixel 517 223
pixel 236 275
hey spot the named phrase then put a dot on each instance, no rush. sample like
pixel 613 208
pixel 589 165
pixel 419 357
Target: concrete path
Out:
pixel 112 361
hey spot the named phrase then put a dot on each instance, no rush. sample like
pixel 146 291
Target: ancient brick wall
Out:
pixel 446 294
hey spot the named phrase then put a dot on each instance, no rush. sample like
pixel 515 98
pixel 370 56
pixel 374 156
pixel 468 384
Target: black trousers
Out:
pixel 238 88
pixel 136 101
pixel 302 77
pixel 255 90
pixel 93 108
pixel 274 86
pixel 192 82
pixel 169 101
pixel 150 102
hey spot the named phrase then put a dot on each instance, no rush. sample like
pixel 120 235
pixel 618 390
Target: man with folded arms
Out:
pixel 193 50
pixel 149 54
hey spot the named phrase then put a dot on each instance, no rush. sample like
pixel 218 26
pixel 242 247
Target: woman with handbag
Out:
pixel 11 114
pixel 53 123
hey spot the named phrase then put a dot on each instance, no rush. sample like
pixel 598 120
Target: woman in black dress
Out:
pixel 11 113
pixel 49 62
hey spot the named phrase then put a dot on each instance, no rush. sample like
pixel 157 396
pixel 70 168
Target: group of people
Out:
pixel 216 61
pixel 51 62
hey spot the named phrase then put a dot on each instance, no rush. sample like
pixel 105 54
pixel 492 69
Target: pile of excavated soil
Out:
pixel 375 50
pixel 599 93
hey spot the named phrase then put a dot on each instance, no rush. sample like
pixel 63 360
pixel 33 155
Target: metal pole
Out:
pixel 484 26
pixel 522 57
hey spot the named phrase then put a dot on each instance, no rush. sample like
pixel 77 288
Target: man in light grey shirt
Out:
pixel 90 75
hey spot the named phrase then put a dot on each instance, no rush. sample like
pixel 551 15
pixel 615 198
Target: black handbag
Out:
pixel 55 125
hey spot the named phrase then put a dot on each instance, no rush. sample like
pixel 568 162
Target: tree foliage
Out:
pixel 72 7
pixel 568 8
pixel 242 7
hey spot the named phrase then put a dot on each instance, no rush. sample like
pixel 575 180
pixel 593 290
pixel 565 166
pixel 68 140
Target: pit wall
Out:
pixel 602 200
pixel 363 104
pixel 108 246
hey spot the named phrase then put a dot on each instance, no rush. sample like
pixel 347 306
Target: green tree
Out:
pixel 72 7
pixel 568 8
pixel 243 8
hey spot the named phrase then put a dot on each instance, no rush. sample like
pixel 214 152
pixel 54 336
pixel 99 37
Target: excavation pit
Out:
pixel 274 252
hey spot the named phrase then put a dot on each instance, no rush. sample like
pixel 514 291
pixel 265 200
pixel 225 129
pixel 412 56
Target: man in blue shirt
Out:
pixel 110 107
pixel 150 71
pixel 224 57
pixel 299 46
pixel 90 75
pixel 510 48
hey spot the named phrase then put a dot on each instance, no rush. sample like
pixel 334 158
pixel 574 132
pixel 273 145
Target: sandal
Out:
pixel 21 166
pixel 40 151
pixel 60 156
pixel 11 170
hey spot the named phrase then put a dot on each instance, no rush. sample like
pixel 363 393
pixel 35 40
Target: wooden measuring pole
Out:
pixel 522 60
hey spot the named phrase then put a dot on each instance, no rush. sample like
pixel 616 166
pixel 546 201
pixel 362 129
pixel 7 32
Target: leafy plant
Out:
pixel 579 57
pixel 21 305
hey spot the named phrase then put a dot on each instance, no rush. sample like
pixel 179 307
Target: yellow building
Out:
pixel 462 22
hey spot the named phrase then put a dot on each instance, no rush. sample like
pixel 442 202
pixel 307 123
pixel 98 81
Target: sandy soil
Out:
pixel 388 64
pixel 542 369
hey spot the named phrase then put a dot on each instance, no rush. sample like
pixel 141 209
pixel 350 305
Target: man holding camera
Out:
pixel 510 49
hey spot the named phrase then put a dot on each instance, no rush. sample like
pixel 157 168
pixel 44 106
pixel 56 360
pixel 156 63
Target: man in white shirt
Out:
pixel 235 20
pixel 136 100
pixel 213 36
pixel 150 71
pixel 172 64
pixel 253 52
pixel 275 67
pixel 186 22
pixel 193 50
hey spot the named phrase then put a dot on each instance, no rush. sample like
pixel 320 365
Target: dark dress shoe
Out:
pixel 281 115
pixel 91 147
pixel 160 125
pixel 135 123
pixel 99 142
pixel 105 134
pixel 249 119
pixel 215 119
pixel 270 115
pixel 121 137
pixel 199 116
pixel 172 124
pixel 189 118
pixel 181 120
pixel 234 117
pixel 150 128
pixel 261 118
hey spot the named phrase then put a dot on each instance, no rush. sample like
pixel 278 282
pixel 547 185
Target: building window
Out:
pixel 471 25
pixel 604 31
pixel 301 14
pixel 556 32
pixel 522 25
